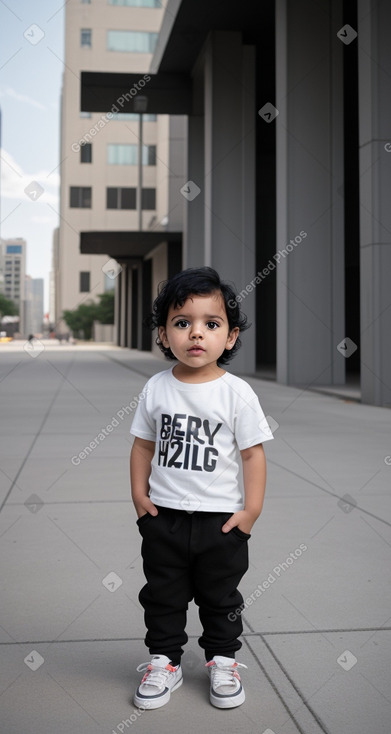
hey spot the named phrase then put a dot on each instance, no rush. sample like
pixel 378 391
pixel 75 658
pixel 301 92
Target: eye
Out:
pixel 182 324
pixel 212 325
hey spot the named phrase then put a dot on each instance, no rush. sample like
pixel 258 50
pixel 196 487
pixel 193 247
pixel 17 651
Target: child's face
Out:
pixel 202 320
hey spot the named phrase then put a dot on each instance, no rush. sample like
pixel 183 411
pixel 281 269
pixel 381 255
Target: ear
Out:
pixel 163 336
pixel 232 337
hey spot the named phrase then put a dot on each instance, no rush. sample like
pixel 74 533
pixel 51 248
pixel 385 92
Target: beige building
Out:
pixel 109 183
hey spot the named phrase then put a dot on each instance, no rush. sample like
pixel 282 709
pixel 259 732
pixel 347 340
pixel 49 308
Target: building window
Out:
pixel 86 37
pixel 122 155
pixel 86 153
pixel 132 41
pixel 14 250
pixel 84 282
pixel 128 116
pixel 149 155
pixel 119 154
pixel 120 198
pixel 86 115
pixel 148 199
pixel 80 197
pixel 109 284
pixel 137 3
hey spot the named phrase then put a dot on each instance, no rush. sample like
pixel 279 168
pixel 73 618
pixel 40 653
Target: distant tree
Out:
pixel 105 309
pixel 81 320
pixel 7 307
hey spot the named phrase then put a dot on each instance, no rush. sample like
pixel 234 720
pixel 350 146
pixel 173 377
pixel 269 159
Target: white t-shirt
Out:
pixel 199 430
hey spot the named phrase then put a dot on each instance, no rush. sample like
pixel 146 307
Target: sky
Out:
pixel 31 67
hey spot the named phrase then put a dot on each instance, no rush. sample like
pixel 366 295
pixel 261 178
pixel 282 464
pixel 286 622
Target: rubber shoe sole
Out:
pixel 227 702
pixel 155 702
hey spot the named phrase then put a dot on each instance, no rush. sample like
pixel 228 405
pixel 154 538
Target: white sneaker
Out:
pixel 226 690
pixel 159 680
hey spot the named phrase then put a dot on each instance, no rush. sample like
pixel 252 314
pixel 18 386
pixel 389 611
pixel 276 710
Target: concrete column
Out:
pixel 128 307
pixel 375 211
pixel 309 136
pixel 193 226
pixel 139 307
pixel 229 181
pixel 117 310
pixel 123 303
pixel 177 146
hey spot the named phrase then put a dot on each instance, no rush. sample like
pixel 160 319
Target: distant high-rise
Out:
pixel 14 271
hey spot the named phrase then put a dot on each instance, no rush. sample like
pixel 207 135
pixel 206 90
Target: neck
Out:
pixel 206 373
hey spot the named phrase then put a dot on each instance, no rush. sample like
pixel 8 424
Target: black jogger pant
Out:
pixel 187 556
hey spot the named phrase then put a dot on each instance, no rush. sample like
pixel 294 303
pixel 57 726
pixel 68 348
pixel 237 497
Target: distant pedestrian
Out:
pixel 194 425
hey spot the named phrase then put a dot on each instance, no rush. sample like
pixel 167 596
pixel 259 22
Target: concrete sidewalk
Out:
pixel 317 638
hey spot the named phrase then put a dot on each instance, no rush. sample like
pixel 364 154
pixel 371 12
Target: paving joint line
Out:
pixel 327 491
pixel 325 393
pixel 37 435
pixel 126 366
pixel 297 690
pixel 73 502
pixel 196 636
pixel 276 690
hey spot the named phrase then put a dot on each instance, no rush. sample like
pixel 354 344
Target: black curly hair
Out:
pixel 196 282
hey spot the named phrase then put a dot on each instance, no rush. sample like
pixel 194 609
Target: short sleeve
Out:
pixel 251 426
pixel 143 424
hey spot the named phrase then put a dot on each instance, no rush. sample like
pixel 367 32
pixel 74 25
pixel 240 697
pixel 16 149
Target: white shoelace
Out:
pixel 157 676
pixel 225 675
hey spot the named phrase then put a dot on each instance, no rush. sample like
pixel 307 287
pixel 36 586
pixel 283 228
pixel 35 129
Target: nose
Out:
pixel 196 331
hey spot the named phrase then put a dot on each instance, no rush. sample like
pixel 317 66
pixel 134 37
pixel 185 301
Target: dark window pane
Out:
pixel 148 199
pixel 86 153
pixel 84 282
pixel 151 155
pixel 74 196
pixel 111 198
pixel 85 37
pixel 128 198
pixel 86 197
pixel 80 197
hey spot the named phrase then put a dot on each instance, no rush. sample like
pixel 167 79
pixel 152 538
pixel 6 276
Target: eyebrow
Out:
pixel 207 316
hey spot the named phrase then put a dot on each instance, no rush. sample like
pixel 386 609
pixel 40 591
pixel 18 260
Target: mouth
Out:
pixel 196 350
